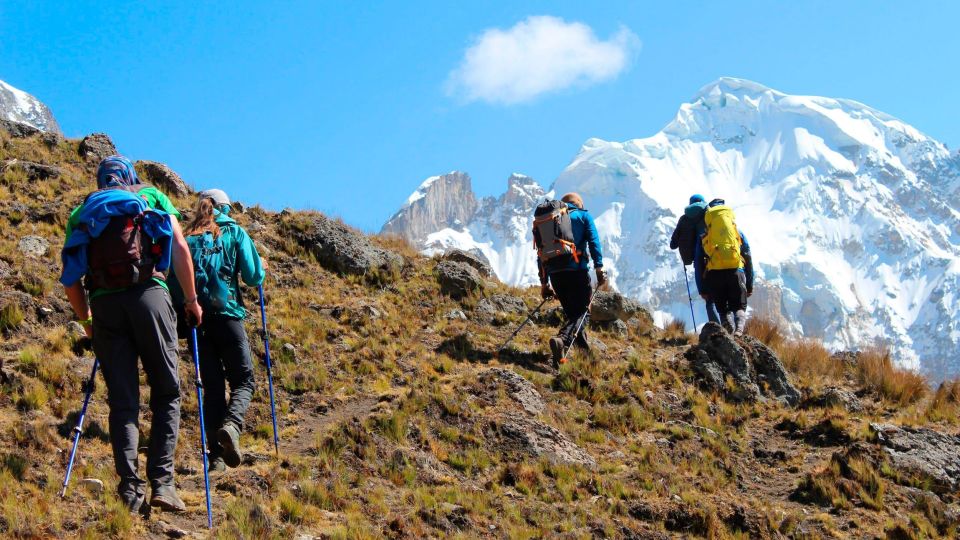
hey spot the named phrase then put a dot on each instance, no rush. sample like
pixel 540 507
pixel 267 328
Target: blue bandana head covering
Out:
pixel 697 198
pixel 116 171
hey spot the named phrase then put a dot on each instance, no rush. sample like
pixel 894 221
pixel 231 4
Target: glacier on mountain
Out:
pixel 850 213
pixel 19 106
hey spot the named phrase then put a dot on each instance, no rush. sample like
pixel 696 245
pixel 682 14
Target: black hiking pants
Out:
pixel 728 290
pixel 139 323
pixel 573 290
pixel 224 358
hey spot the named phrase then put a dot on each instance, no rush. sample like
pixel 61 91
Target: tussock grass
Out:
pixel 875 370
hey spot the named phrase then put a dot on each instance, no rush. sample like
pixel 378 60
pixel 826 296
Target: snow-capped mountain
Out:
pixel 850 213
pixel 19 106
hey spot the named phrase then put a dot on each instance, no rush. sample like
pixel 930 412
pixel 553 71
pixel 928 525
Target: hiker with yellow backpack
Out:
pixel 724 266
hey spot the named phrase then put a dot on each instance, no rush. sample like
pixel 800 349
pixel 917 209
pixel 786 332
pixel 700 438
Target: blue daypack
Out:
pixel 213 270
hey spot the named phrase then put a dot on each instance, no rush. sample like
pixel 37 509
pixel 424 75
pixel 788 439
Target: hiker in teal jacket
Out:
pixel 223 253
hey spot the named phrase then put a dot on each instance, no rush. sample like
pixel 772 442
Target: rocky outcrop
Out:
pixel 610 306
pixel 33 246
pixel 18 130
pixel 19 106
pixel 96 147
pixel 342 249
pixel 753 368
pixel 518 388
pixel 835 397
pixel 34 171
pixel 457 279
pixel 533 437
pixel 492 308
pixel 440 202
pixel 923 453
pixel 163 177
pixel 473 258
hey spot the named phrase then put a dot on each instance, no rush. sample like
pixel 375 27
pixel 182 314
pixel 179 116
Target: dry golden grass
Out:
pixel 875 370
pixel 807 358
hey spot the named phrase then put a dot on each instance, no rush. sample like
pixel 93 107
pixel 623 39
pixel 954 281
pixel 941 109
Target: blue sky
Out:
pixel 345 107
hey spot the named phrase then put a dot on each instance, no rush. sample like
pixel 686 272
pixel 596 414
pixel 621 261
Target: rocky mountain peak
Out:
pixel 440 202
pixel 19 106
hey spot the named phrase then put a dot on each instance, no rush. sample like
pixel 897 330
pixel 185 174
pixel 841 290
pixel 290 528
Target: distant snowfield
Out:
pixel 850 213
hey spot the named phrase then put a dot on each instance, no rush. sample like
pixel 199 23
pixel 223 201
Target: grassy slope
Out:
pixel 387 431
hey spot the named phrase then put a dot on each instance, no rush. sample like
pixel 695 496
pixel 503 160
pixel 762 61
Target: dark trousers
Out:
pixel 573 290
pixel 139 323
pixel 224 357
pixel 728 290
pixel 712 314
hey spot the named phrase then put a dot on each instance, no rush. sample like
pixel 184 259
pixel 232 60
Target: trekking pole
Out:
pixel 78 430
pixel 689 298
pixel 266 348
pixel 203 432
pixel 524 323
pixel 576 331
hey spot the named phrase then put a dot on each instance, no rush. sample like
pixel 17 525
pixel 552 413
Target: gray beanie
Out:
pixel 218 195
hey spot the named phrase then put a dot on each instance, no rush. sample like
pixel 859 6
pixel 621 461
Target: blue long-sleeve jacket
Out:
pixel 700 263
pixel 95 215
pixel 587 239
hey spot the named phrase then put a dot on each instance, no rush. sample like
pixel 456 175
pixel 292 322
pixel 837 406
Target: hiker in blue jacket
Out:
pixel 124 305
pixel 686 236
pixel 223 254
pixel 568 279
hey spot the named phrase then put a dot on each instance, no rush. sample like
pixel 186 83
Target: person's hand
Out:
pixel 601 277
pixel 749 293
pixel 705 296
pixel 88 328
pixel 263 263
pixel 194 312
pixel 546 291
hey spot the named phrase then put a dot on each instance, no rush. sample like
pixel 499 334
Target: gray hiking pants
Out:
pixel 139 323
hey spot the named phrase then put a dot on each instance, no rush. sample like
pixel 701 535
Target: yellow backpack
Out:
pixel 722 241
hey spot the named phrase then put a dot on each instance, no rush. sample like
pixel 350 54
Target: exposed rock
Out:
pixel 34 171
pixel 342 249
pixel 457 279
pixel 925 453
pixel 18 130
pixel 93 485
pixel 162 177
pixel 33 246
pixel 539 439
pixel 5 269
pixel 836 397
pixel 51 139
pixel 456 314
pixel 96 147
pixel 499 304
pixel 475 259
pixel 615 326
pixel 75 330
pixel 610 306
pixel 750 364
pixel 517 387
pixel 440 202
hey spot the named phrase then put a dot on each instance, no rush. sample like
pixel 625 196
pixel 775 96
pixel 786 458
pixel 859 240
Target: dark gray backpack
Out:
pixel 553 232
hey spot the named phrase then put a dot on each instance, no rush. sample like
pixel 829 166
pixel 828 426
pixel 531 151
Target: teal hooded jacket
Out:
pixel 238 247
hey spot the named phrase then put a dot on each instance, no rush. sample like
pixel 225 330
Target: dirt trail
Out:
pixel 193 523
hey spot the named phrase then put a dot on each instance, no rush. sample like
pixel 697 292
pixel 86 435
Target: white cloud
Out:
pixel 538 55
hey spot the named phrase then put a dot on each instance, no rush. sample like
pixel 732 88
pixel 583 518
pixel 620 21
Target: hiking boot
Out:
pixel 556 351
pixel 229 438
pixel 217 465
pixel 133 502
pixel 166 498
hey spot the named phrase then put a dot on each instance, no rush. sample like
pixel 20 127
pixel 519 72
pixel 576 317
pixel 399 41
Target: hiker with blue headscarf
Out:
pixel 686 237
pixel 119 245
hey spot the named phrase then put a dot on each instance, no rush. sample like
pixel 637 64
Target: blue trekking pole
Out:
pixel 203 432
pixel 689 297
pixel 266 347
pixel 78 430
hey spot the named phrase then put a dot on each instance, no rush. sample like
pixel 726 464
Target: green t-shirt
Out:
pixel 155 199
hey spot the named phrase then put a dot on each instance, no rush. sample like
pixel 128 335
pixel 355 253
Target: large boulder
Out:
pixel 96 147
pixel 520 390
pixel 457 279
pixel 163 177
pixel 475 259
pixel 923 453
pixel 610 306
pixel 342 249
pixel 497 305
pixel 33 246
pixel 753 368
